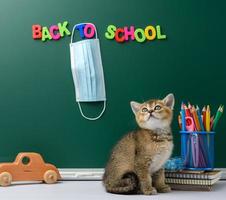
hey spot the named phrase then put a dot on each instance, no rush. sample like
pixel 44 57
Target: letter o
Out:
pixel 86 31
pixel 147 32
pixel 136 34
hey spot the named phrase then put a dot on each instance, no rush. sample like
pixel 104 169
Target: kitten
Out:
pixel 136 162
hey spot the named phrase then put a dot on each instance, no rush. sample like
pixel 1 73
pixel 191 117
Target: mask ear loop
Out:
pixel 92 118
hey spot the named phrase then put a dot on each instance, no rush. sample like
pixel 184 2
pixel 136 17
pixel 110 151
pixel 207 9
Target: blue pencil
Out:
pixel 183 120
pixel 200 118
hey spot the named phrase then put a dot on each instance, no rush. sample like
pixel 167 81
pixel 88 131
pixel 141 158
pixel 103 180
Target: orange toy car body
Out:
pixel 28 167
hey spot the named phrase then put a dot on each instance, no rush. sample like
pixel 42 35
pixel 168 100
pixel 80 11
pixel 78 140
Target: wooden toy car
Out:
pixel 28 167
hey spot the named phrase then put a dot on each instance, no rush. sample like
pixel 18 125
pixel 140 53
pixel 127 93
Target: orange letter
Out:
pixel 117 32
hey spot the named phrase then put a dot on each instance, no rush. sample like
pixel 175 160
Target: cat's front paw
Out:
pixel 149 191
pixel 164 189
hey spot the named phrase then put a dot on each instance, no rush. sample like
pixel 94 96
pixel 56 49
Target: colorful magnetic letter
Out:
pixel 129 33
pixel 63 29
pixel 119 32
pixel 52 31
pixel 137 37
pixel 45 34
pixel 110 34
pixel 159 34
pixel 89 31
pixel 80 28
pixel 37 31
pixel 147 31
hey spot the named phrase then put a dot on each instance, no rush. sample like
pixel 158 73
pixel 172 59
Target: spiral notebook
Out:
pixel 191 187
pixel 183 181
pixel 188 174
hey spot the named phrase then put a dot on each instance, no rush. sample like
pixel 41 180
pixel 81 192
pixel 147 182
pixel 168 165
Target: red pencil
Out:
pixel 187 111
pixel 211 122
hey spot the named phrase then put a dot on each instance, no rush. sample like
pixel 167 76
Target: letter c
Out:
pixel 52 29
pixel 117 32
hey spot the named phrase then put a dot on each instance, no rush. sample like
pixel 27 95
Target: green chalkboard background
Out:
pixel 38 111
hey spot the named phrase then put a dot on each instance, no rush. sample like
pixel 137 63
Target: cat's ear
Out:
pixel 169 101
pixel 135 106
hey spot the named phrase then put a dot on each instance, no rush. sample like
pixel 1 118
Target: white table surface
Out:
pixel 93 190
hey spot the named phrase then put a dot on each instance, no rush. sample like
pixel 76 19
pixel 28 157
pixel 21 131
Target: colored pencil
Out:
pixel 195 118
pixel 187 111
pixel 183 121
pixel 218 116
pixel 200 118
pixel 208 118
pixel 211 122
pixel 179 121
pixel 204 117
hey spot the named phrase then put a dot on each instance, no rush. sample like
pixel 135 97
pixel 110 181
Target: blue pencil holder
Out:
pixel 197 150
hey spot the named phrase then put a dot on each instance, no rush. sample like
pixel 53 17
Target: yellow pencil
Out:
pixel 208 118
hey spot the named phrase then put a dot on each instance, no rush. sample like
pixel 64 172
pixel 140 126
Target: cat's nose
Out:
pixel 151 111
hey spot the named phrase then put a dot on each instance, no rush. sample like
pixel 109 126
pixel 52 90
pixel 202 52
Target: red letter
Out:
pixel 37 31
pixel 117 32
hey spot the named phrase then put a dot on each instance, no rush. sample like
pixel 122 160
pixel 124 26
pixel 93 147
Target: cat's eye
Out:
pixel 144 110
pixel 158 107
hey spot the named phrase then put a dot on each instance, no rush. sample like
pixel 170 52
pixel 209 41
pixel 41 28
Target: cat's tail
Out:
pixel 128 184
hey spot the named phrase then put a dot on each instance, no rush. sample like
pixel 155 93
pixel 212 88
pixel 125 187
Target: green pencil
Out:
pixel 218 116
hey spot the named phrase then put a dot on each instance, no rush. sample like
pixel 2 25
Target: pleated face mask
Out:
pixel 87 71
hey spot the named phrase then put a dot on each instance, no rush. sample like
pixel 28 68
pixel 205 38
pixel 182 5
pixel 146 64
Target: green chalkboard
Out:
pixel 38 111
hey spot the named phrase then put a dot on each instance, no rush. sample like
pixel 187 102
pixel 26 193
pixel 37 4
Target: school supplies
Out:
pixel 195 118
pixel 218 116
pixel 179 121
pixel 197 136
pixel 183 120
pixel 190 125
pixel 190 174
pixel 200 118
pixel 208 118
pixel 203 122
pixel 189 180
pixel 204 116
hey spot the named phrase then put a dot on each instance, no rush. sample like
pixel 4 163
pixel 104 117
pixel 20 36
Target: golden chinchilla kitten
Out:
pixel 136 162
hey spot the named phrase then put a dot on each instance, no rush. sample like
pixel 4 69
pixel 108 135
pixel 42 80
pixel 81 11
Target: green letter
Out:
pixel 63 29
pixel 136 34
pixel 45 34
pixel 111 32
pixel 159 35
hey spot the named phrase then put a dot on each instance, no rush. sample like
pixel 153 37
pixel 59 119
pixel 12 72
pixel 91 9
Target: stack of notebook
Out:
pixel 192 180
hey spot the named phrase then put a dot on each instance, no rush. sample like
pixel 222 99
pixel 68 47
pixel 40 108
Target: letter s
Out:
pixel 110 34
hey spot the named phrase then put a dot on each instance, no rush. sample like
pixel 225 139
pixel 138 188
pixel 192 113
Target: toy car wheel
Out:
pixel 5 179
pixel 50 177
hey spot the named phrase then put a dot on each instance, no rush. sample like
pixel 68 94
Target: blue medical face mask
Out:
pixel 87 72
